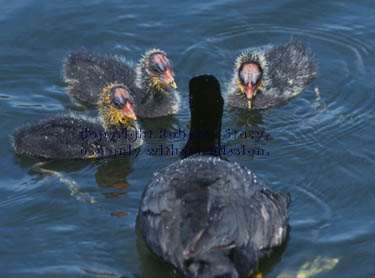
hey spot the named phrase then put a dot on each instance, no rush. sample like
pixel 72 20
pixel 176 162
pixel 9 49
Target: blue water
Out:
pixel 78 218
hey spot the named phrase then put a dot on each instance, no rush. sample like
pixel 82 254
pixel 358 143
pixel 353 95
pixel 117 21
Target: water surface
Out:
pixel 78 218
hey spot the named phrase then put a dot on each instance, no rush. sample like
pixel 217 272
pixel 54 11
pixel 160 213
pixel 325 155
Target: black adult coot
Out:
pixel 73 136
pixel 270 76
pixel 206 216
pixel 151 83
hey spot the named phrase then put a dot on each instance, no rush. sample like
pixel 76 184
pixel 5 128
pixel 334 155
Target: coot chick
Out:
pixel 80 137
pixel 151 83
pixel 270 76
pixel 206 216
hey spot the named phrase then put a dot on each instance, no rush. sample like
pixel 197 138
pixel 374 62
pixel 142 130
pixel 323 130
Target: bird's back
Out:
pixel 64 137
pixel 205 215
pixel 290 69
pixel 286 71
pixel 88 73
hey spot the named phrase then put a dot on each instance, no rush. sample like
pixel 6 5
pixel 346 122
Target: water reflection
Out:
pixel 323 140
pixel 110 172
pixel 245 118
pixel 153 267
pixel 113 172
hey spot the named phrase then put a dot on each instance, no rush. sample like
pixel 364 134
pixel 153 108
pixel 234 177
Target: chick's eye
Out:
pixel 119 96
pixel 256 77
pixel 244 78
pixel 160 67
pixel 119 100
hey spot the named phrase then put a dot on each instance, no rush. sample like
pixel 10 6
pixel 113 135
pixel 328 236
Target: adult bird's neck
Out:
pixel 206 109
pixel 203 139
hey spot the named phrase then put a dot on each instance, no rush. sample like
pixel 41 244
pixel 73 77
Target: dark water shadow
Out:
pixel 110 172
pixel 113 172
pixel 245 118
pixel 268 263
pixel 151 265
pixel 159 127
pixel 66 165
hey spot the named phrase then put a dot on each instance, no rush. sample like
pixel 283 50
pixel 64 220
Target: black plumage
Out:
pixel 286 70
pixel 73 136
pixel 88 73
pixel 206 216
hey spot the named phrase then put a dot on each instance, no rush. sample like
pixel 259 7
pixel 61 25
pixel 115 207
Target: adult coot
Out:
pixel 151 83
pixel 204 215
pixel 270 76
pixel 73 136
